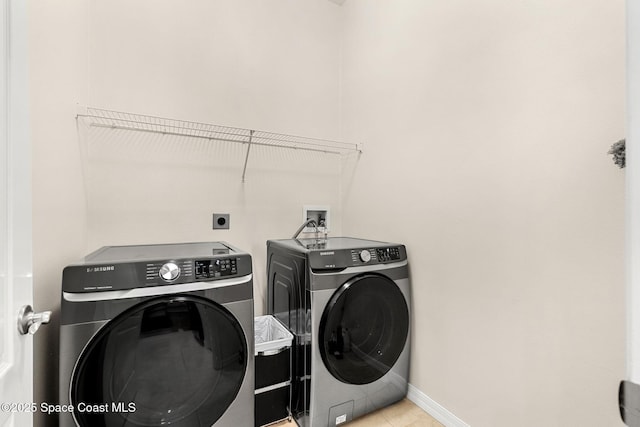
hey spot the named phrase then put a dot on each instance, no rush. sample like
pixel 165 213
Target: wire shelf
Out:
pixel 139 122
pixel 98 117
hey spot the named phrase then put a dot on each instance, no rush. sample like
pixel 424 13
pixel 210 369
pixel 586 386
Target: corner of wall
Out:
pixel 434 409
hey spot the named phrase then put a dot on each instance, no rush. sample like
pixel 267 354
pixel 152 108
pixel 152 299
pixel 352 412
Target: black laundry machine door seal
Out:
pixel 364 329
pixel 173 360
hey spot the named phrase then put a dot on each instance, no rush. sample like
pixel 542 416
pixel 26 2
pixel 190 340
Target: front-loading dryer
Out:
pixel 157 335
pixel 347 302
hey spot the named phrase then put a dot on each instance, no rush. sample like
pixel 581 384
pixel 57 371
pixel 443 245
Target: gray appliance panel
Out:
pixel 119 254
pixel 319 280
pixel 391 388
pixel 93 311
pixel 81 320
pixel 298 291
pixel 331 243
pixel 75 337
pixel 109 268
pixel 337 253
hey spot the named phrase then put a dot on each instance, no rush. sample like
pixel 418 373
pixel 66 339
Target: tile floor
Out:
pixel 402 414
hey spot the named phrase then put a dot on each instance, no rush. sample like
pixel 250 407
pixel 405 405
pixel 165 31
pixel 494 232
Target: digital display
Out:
pixel 388 254
pixel 212 268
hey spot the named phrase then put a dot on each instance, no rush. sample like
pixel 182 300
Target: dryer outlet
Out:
pixel 221 221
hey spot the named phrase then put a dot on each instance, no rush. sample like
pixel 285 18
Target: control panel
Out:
pixel 182 271
pixel 157 265
pixel 213 268
pixel 340 258
pixel 374 256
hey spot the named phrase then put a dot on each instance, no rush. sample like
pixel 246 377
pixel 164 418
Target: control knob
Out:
pixel 169 271
pixel 365 256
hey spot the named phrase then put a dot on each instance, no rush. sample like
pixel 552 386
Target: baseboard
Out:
pixel 434 409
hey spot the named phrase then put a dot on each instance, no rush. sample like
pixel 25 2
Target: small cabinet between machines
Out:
pixel 273 371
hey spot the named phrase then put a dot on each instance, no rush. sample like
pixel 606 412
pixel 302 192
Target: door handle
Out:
pixel 29 321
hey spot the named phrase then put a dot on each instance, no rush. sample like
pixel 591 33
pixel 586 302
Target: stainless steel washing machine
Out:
pixel 158 335
pixel 347 302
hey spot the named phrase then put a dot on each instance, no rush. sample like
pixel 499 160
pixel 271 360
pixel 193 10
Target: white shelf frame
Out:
pixel 99 117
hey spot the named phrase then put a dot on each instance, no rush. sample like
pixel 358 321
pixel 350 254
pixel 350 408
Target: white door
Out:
pixel 15 219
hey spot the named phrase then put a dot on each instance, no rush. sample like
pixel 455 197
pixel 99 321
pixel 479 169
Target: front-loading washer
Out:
pixel 157 335
pixel 347 302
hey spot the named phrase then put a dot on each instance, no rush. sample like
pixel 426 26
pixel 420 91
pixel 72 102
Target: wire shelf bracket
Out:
pixel 99 117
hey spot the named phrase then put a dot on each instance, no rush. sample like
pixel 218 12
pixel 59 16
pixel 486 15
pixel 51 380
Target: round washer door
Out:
pixel 173 360
pixel 363 329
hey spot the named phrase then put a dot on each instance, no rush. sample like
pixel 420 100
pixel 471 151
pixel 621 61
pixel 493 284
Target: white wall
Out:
pixel 486 127
pixel 263 65
pixel 57 81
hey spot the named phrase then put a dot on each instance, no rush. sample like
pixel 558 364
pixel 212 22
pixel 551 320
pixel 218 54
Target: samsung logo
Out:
pixel 100 268
pixel 327 253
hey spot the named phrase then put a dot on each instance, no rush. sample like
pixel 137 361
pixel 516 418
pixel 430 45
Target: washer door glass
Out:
pixel 173 360
pixel 363 329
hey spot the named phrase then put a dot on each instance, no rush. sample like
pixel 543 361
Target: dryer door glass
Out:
pixel 173 360
pixel 364 329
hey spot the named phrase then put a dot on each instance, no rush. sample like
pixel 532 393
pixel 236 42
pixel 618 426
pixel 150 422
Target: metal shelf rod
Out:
pixel 246 158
